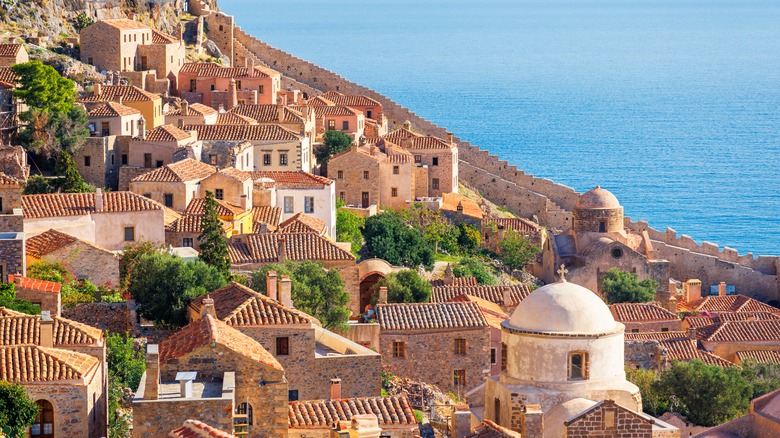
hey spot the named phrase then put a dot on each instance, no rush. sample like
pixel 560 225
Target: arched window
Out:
pixel 43 426
pixel 244 414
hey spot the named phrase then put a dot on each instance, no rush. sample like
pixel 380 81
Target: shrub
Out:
pixel 624 287
pixel 404 287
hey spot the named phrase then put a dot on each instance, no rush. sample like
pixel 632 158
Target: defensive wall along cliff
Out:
pixel 504 183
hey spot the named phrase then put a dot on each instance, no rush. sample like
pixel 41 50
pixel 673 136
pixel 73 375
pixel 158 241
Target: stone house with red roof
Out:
pixel 494 229
pixel 42 293
pixel 218 86
pixel 149 104
pixel 331 117
pixel 174 185
pixel 440 155
pixel 446 344
pixel 657 350
pixel 494 315
pixel 645 317
pixel 12 54
pixel 249 252
pixel 83 259
pixel 371 109
pixel 726 339
pixel 162 145
pixel 191 114
pixel 297 118
pixel 315 418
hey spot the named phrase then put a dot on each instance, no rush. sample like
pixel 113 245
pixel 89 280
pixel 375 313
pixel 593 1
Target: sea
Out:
pixel 673 105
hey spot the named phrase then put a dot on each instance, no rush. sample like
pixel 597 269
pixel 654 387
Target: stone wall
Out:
pixel 127 173
pixel 103 169
pixel 653 326
pixel 642 354
pixel 86 261
pixel 156 417
pixel 12 258
pixel 626 424
pixel 113 317
pixel 13 162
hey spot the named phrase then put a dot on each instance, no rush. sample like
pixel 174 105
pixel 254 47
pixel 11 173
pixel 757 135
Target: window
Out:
pixel 1 206
pixel 345 126
pixel 283 346
pixel 158 163
pixel 44 422
pixel 399 349
pixel 435 183
pixel 616 253
pixel 578 366
pixel 664 329
pixel 87 161
pixel 266 159
pixel 124 159
pixel 503 356
pixel 129 234
pixel 112 159
pixel 609 418
pixel 213 87
pixel 90 61
pixel 343 196
pixel 435 161
pixel 493 356
pixel 260 89
pixel 459 378
pixel 365 174
pixel 368 114
pixel 282 159
pixel 147 160
pixel 497 410
pixel 105 127
pixel 238 84
pixel 147 195
pixel 634 330
pixel 308 204
pixel 243 414
pixel 289 204
pixel 220 28
pixel 292 395
pixel 168 200
pixel 213 159
pixel 394 192
pixel 396 170
pixel 602 227
pixel 418 159
pixel 460 346
pixel 187 241
pixel 331 124
pixel 219 194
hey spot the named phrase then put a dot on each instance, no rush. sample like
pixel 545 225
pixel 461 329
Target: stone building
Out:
pixel 195 428
pixel 211 371
pixel 191 114
pixel 760 421
pixel 298 118
pixel 457 332
pixel 331 117
pixel 215 85
pixel 148 104
pixel 315 418
pixel 162 145
pixel 113 118
pixel 42 293
pixel 251 251
pixel 174 185
pixel 111 124
pixel 186 230
pixel 303 223
pixel 505 296
pixel 494 315
pixel 310 354
pixel 728 338
pixel 494 229
pixel 83 259
pixel 440 155
pixel 645 317
pixel 657 350
pixel 371 109
pixel 12 237
pixel 230 185
pixel 12 54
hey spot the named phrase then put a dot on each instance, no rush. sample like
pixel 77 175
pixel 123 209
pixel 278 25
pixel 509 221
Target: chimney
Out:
pixel 152 390
pixel 185 107
pixel 382 295
pixel 285 291
pixel 208 307
pixel 450 138
pixel 692 333
pixel 507 296
pixel 185 383
pixel 722 289
pixel 232 94
pixel 250 64
pixel 281 252
pixel 245 202
pixel 335 389
pixel 47 330
pixel 372 150
pixel 408 125
pixel 271 285
pixel 461 420
pixel 671 305
pixel 305 112
pixel 280 113
pixel 120 100
pixel 98 89
pixel 142 128
pixel 98 200
pixel 692 290
pixel 672 288
pixel 449 276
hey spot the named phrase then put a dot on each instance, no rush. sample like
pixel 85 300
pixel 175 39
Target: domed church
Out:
pixel 563 368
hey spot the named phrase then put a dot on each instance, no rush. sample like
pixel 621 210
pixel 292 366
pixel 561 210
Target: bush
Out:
pixel 56 272
pixel 474 267
pixel 17 411
pixel 515 251
pixel 126 366
pixel 469 238
pixel 8 300
pixel 404 287
pixel 36 185
pixel 348 229
pixel 389 238
pixel 624 287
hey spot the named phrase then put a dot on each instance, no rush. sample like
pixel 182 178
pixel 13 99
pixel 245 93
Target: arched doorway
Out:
pixel 43 427
pixel 367 286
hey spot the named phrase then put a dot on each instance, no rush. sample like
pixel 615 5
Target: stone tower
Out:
pixel 12 242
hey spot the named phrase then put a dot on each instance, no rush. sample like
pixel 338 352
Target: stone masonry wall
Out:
pixel 628 425
pixel 150 416
pixel 127 173
pixel 88 261
pixel 113 317
pixel 12 256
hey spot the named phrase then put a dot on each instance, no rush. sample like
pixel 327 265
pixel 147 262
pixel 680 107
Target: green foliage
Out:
pixel 56 272
pixel 8 300
pixel 315 291
pixel 469 238
pixel 334 142
pixel 70 180
pixel 418 415
pixel 387 376
pixel 624 287
pixel 78 292
pixel 42 88
pixel 126 365
pixel 436 229
pixel 515 251
pixel 81 21
pixel 130 256
pixel 213 244
pixel 73 291
pixel 653 402
pixel 389 238
pixel 474 267
pixel 404 287
pixel 348 226
pixel 764 377
pixel 36 185
pixel 118 422
pixel 17 411
pixel 163 285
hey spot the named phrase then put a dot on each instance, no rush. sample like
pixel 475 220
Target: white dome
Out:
pixel 563 308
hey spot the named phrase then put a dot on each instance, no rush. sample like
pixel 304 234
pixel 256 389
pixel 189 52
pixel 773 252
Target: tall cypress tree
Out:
pixel 213 244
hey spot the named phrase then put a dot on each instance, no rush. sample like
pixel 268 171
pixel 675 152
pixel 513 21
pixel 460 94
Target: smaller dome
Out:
pixel 597 198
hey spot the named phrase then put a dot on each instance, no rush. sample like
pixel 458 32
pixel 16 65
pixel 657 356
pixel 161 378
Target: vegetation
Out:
pixel 70 180
pixel 17 411
pixel 515 251
pixel 8 300
pixel 469 239
pixel 404 287
pixel 474 267
pixel 213 244
pixel 389 238
pixel 130 256
pixel 315 291
pixel 334 142
pixel 163 285
pixel 81 21
pixel 126 365
pixel 348 228
pixel 36 185
pixel 624 287
pixel 73 291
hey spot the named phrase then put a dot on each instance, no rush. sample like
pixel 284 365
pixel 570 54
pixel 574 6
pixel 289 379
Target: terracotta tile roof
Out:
pixel 197 429
pixel 450 202
pixel 39 285
pixel 7 180
pixel 640 312
pixel 193 109
pixel 489 429
pixel 400 133
pixel 687 350
pixel 124 24
pixel 456 282
pixel 700 321
pixel 212 70
pixel 267 215
pixel 715 319
pixel 128 93
pixel 494 294
pixel 191 224
pixel 297 179
pixel 4 311
pixel 655 336
pixel 321 414
pixel 188 169
pixel 745 331
pixel 226 299
pixel 338 110
pixel 760 356
pixel 112 109
pixel 207 331
pixel 243 133
pixel 492 311
pixel 234 119
pixel 268 113
pixel 426 143
pixel 423 316
pixel 350 99
pixel 197 205
pixel 9 50
pixel 521 225
pixel 163 38
pixel 320 101
pixel 734 303
pixel 7 76
pixel 165 133
pixel 76 204
pixel 31 363
pixel 258 310
pixel 263 248
pixel 238 175
pixel 303 223
pixel 26 329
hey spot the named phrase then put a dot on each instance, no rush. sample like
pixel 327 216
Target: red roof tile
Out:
pixel 39 285
pixel 7 76
pixel 212 70
pixel 424 316
pixel 350 99
pixel 124 24
pixel 238 175
pixel 243 133
pixel 456 282
pixel 746 331
pixel 112 109
pixel 760 356
pixel 165 133
pixel 128 93
pixel 7 180
pixel 197 205
pixel 17 329
pixel 293 179
pixel 76 204
pixel 734 303
pixel 494 294
pixel 270 216
pixel 640 312
pixel 323 111
pixel 321 414
pixel 188 169
pixel 234 119
pixel 31 363
pixel 687 350
pixel 9 50
pixel 190 224
pixel 193 109
pixel 521 225
pixel 303 223
pixel 268 113
pixel 655 336
pixel 263 248
pixel 163 38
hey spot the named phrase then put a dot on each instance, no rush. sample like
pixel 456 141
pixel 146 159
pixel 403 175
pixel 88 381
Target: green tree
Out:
pixel 213 244
pixel 515 251
pixel 126 365
pixel 404 287
pixel 42 88
pixel 81 21
pixel 334 142
pixel 763 377
pixel 163 285
pixel 348 226
pixel 70 180
pixel 17 411
pixel 8 300
pixel 130 256
pixel 48 271
pixel 653 402
pixel 389 238
pixel 474 267
pixel 624 287
pixel 436 230
pixel 315 290
pixel 36 185
pixel 469 238
pixel 707 394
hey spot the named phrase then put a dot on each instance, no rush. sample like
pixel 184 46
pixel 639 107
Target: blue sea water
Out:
pixel 673 105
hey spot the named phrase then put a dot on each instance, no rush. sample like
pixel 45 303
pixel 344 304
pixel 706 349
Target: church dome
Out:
pixel 563 307
pixel 597 198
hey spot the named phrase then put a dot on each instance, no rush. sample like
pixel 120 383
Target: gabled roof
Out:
pixel 243 133
pixel 426 143
pixel 112 109
pixel 8 77
pixel 234 119
pixel 190 224
pixel 746 331
pixel 321 414
pixel 163 38
pixel 492 311
pixel 7 180
pixel 521 225
pixel 238 175
pixel 39 285
pixel 688 349
pixel 193 109
pixel 494 294
pixel 18 329
pixel 349 99
pixel 303 223
pixel 264 248
pixel 733 303
pixel 338 110
pixel 456 282
pixel 76 204
pixel 165 133
pixel 451 201
pixel 224 208
pixel 212 70
pixel 268 113
pixel 641 312
pixel 267 215
pixel 760 356
pixel 715 319
pixel 400 133
pixel 655 336
pixel 422 316
pixel 124 24
pixel 128 93
pixel 208 331
pixel 31 363
pixel 188 169
pixel 197 429
pixel 9 50
pixel 296 179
